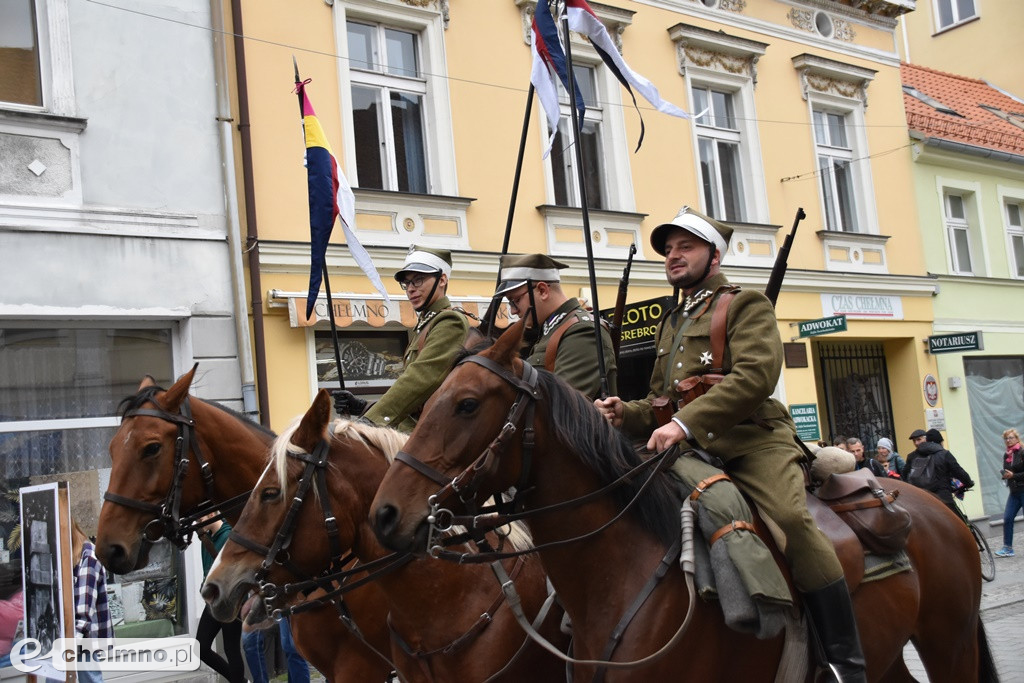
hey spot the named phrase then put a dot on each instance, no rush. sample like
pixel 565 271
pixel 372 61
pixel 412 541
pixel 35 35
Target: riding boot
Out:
pixel 831 614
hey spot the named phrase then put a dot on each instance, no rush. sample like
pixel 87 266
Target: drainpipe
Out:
pixel 227 152
pixel 252 244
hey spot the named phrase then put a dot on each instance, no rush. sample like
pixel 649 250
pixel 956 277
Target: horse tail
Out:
pixel 987 672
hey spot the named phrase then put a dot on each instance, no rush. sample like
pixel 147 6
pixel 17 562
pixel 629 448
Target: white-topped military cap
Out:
pixel 516 269
pixel 708 229
pixel 423 260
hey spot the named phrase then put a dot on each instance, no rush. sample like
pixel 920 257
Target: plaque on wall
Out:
pixel 795 354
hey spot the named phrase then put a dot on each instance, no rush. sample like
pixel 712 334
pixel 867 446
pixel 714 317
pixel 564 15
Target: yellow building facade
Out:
pixel 799 104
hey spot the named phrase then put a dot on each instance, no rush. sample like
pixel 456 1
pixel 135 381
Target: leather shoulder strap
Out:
pixel 718 325
pixel 551 352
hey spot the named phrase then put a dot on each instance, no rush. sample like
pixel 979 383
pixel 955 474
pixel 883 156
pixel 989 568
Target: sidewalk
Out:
pixel 1002 612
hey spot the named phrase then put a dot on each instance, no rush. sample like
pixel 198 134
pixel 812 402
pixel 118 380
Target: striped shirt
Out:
pixel 92 614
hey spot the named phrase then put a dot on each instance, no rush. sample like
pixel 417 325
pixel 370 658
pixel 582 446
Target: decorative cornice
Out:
pixel 442 7
pixel 716 50
pixel 831 77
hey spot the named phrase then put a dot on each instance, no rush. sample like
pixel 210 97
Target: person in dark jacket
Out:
pixel 856 446
pixel 945 468
pixel 1013 475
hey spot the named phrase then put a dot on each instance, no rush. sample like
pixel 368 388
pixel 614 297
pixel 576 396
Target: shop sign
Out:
pixel 931 390
pixel 812 328
pixel 805 417
pixel 640 325
pixel 951 343
pixel 862 306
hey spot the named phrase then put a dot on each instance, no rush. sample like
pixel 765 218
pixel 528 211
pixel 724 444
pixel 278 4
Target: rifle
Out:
pixel 620 303
pixel 782 261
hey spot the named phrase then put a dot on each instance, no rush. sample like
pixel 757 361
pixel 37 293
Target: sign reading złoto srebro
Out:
pixel 948 343
pixel 639 324
pixel 812 328
pixel 805 417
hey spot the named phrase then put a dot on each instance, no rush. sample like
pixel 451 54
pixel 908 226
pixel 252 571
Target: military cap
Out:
pixel 708 229
pixel 917 433
pixel 516 269
pixel 423 260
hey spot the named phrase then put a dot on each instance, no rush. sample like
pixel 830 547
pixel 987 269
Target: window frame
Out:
pixel 1014 232
pixel 955 225
pixel 954 11
pixel 53 36
pixel 594 114
pixel 971 193
pixel 742 103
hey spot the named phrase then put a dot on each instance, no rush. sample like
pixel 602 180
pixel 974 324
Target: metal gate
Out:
pixel 856 383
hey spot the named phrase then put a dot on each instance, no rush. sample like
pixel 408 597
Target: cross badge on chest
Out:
pixel 705 358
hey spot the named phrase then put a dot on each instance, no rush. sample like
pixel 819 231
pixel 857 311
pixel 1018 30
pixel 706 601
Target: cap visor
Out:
pixel 506 286
pixel 415 268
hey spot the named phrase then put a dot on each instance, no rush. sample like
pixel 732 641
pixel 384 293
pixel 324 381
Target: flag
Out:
pixel 583 20
pixel 549 62
pixel 330 195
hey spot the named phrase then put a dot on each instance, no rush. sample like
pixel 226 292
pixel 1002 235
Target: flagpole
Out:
pixel 327 279
pixel 583 203
pixel 492 311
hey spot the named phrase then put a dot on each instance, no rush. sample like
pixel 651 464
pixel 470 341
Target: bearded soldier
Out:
pixel 719 357
pixel 439 335
pixel 562 329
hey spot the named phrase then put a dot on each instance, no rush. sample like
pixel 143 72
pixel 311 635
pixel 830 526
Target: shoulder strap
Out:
pixel 552 350
pixel 422 339
pixel 718 325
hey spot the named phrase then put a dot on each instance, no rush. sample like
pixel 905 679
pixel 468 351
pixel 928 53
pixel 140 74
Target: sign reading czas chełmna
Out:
pixel 962 341
pixel 812 328
pixel 805 417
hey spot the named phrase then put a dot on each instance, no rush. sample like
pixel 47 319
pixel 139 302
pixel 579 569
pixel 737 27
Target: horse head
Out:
pixel 298 548
pixel 457 427
pixel 142 454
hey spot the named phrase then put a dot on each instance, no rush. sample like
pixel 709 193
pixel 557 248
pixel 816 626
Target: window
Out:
pixel 835 157
pixel 563 155
pixel 951 12
pixel 958 234
pixel 1015 234
pixel 20 75
pixel 388 93
pixel 718 142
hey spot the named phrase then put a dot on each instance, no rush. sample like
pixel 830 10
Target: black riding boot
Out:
pixel 831 614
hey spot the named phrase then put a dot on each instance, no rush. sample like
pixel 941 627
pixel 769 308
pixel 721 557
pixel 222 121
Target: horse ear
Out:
pixel 179 390
pixel 311 428
pixel 147 381
pixel 506 350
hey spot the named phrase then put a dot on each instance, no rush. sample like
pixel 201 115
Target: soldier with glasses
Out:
pixel 440 333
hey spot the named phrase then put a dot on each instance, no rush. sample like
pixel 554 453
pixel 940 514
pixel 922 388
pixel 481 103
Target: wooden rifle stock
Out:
pixel 782 261
pixel 620 303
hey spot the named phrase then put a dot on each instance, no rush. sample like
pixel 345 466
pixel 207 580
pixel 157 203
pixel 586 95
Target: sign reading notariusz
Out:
pixel 950 343
pixel 812 328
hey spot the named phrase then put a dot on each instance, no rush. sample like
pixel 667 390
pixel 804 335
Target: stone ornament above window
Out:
pixel 830 77
pixel 727 5
pixel 442 7
pixel 821 23
pixel 715 50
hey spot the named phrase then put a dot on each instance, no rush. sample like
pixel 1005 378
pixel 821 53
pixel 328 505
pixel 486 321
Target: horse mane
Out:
pixel 608 453
pixel 148 394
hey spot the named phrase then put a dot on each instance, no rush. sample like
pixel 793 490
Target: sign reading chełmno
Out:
pixel 805 417
pixel 949 343
pixel 812 328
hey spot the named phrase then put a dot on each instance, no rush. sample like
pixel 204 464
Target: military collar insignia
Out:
pixel 550 323
pixel 424 319
pixel 691 301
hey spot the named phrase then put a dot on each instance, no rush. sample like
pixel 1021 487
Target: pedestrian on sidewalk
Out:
pixel 1013 475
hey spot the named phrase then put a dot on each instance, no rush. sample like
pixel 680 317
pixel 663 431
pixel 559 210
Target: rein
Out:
pixel 169 522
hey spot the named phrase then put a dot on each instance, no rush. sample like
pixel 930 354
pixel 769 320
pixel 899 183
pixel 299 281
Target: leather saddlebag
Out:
pixel 881 524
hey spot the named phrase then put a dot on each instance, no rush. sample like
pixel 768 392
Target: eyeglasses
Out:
pixel 414 282
pixel 513 301
pixel 1011 437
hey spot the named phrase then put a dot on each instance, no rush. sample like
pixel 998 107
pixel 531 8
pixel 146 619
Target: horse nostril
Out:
pixel 210 592
pixel 113 555
pixel 387 520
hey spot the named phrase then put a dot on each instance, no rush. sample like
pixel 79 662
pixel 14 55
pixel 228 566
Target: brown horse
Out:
pixel 449 622
pixel 575 453
pixel 235 450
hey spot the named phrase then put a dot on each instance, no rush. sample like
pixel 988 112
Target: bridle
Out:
pixel 169 522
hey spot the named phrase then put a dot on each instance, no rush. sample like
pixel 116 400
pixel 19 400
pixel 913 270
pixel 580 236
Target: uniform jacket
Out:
pixel 946 468
pixel 441 330
pixel 1013 460
pixel 722 420
pixel 576 359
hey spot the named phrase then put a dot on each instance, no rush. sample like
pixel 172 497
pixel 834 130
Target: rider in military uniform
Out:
pixel 440 333
pixel 563 329
pixel 724 406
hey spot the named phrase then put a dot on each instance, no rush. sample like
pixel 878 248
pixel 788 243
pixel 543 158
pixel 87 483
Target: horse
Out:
pixel 448 622
pixel 140 507
pixel 576 452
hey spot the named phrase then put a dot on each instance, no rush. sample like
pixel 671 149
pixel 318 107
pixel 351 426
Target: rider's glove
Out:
pixel 347 403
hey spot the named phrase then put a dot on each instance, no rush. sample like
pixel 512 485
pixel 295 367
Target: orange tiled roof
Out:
pixel 976 126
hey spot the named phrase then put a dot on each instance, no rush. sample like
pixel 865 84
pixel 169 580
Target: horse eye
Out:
pixel 269 494
pixel 151 449
pixel 467 406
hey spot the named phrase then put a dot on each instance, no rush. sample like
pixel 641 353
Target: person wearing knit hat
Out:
pixel 718 360
pixel 890 460
pixel 440 333
pixel 562 328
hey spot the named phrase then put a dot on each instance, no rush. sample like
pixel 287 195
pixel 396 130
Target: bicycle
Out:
pixel 988 561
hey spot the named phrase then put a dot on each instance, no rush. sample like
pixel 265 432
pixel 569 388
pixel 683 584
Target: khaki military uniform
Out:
pixel 576 353
pixel 441 332
pixel 737 420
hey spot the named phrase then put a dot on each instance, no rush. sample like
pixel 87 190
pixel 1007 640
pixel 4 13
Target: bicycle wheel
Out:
pixel 988 562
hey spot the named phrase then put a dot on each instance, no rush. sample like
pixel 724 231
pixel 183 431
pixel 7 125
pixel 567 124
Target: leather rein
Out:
pixel 169 522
